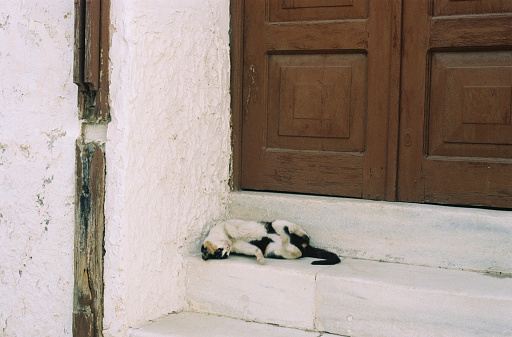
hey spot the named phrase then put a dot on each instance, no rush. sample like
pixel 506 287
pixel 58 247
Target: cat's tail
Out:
pixel 329 258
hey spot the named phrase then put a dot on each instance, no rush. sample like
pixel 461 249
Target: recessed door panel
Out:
pixel 470 104
pixel 317 102
pixel 456 130
pixel 316 83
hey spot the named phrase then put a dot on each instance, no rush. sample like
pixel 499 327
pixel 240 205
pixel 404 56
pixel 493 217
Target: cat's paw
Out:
pixel 259 257
pixel 293 228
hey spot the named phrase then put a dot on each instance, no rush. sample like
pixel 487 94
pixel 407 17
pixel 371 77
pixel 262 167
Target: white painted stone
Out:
pixel 189 324
pixel 280 292
pixel 438 236
pixel 167 151
pixel 38 130
pixel 368 298
pixel 94 133
pixel 354 298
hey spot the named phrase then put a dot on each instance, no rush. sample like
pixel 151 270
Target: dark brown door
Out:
pixel 455 115
pixel 316 96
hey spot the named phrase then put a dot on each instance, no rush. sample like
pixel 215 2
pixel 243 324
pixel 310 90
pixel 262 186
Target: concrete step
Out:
pixel 354 298
pixel 428 235
pixel 189 324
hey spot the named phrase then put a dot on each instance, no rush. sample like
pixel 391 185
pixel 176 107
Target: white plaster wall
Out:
pixel 168 149
pixel 38 129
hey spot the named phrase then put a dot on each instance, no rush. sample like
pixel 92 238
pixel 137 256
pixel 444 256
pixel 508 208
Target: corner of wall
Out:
pixel 167 150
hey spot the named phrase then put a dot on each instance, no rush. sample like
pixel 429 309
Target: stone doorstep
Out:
pixel 354 298
pixel 189 324
pixel 416 234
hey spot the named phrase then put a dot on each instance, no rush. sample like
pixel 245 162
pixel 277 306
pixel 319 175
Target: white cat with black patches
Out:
pixel 279 239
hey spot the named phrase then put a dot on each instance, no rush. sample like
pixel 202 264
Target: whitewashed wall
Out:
pixel 168 149
pixel 38 129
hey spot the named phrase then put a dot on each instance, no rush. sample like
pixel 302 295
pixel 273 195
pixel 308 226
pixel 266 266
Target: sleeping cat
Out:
pixel 278 239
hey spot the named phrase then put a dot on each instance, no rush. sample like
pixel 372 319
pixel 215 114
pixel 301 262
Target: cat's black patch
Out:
pixel 329 258
pixel 262 244
pixel 205 254
pixel 219 254
pixel 302 242
pixel 268 227
pixel 298 241
pixel 272 255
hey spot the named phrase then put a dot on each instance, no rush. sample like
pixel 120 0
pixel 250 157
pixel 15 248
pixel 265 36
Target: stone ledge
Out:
pixel 279 293
pixel 188 324
pixel 368 298
pixel 416 234
pixel 355 297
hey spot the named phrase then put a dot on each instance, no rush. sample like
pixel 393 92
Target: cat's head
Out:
pixel 215 250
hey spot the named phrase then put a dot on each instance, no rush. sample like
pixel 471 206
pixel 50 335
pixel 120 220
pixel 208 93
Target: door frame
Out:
pixel 237 72
pixel 91 75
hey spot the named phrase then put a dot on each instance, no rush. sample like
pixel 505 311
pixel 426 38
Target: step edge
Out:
pixel 486 235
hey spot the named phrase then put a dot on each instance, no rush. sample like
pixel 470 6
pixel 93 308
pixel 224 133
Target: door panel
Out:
pixel 317 102
pixel 455 124
pixel 316 84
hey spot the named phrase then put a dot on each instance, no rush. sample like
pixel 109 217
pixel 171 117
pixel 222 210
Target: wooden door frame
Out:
pixel 237 74
pixel 91 75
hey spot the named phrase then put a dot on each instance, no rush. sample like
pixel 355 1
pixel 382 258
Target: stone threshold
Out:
pixel 416 234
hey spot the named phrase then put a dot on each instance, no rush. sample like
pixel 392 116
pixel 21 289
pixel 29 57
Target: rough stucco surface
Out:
pixel 38 129
pixel 167 149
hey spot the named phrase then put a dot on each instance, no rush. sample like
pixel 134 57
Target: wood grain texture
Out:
pixel 328 173
pixel 483 31
pixel 318 36
pixel 455 123
pixel 483 182
pixel 92 43
pixel 316 10
pixel 79 45
pixel 414 80
pixel 236 56
pixel 380 47
pixel 89 242
pixel 317 102
pixel 91 62
pixel 415 110
pixel 308 109
pixel 465 7
pixel 394 101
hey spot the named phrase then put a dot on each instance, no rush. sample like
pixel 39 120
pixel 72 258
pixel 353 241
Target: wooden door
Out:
pixel 455 114
pixel 316 96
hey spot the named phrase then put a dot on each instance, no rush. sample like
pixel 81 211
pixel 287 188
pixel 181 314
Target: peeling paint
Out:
pixel 53 136
pixel 5 24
